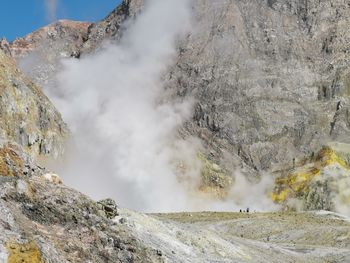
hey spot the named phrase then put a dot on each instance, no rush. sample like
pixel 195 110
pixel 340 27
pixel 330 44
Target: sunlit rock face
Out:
pixel 65 35
pixel 27 117
pixel 270 78
pixel 320 182
pixel 38 53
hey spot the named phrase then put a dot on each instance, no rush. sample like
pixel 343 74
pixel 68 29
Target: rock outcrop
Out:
pixel 270 78
pixel 39 52
pixel 42 221
pixel 27 117
pixel 320 182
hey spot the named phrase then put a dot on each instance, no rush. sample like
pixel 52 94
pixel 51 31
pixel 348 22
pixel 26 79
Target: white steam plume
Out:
pixel 51 9
pixel 125 141
pixel 125 135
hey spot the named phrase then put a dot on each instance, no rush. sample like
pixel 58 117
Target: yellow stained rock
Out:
pixel 10 162
pixel 297 182
pixel 328 156
pixel 214 179
pixel 24 253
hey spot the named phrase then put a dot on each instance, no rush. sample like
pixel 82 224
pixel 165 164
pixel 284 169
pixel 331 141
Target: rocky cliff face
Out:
pixel 270 78
pixel 39 52
pixel 27 117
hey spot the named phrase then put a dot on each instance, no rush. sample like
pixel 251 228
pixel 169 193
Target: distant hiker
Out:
pixel 293 162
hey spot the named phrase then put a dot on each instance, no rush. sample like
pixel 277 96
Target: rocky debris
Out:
pixel 108 207
pixel 27 117
pixel 53 178
pixel 41 221
pixel 11 164
pixel 14 162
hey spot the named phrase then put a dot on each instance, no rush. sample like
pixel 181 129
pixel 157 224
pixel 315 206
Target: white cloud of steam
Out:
pixel 125 136
pixel 51 9
pixel 125 142
pixel 253 195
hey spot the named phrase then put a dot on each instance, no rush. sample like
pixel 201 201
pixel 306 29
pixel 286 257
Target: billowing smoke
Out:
pixel 126 144
pixel 51 9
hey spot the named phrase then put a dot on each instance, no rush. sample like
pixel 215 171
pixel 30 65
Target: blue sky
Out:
pixel 18 18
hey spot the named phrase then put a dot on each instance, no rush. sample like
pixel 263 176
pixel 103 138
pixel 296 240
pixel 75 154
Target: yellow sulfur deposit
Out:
pixel 296 183
pixel 214 179
pixel 24 253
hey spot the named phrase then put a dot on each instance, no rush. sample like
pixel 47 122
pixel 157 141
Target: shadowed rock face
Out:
pixel 270 78
pixel 27 117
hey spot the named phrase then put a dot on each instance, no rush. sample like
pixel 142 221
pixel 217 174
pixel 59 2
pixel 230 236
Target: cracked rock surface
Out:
pixel 27 117
pixel 271 78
